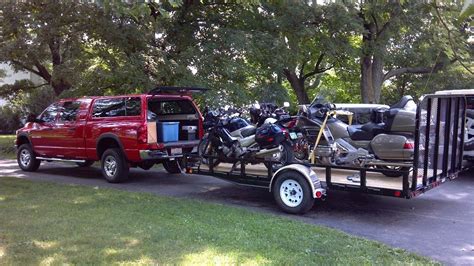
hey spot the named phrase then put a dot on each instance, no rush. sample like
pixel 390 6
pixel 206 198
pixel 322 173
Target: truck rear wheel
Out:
pixel 293 193
pixel 173 167
pixel 114 166
pixel 26 158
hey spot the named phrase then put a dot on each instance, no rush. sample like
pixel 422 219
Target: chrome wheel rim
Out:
pixel 110 166
pixel 291 193
pixel 25 157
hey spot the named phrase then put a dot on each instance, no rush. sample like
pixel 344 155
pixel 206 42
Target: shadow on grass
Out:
pixel 82 225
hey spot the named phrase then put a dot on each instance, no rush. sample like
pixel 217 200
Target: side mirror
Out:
pixel 33 118
pixel 286 104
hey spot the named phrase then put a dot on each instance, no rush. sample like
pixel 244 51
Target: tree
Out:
pixel 402 38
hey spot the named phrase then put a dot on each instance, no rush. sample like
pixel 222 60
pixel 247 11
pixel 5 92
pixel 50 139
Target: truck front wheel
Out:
pixel 26 158
pixel 114 166
pixel 293 193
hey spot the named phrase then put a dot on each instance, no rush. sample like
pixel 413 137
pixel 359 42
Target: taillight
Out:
pixel 409 145
pixel 142 134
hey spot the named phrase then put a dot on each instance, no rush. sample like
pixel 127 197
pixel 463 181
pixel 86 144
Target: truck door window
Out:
pixel 49 115
pixel 69 111
pixel 109 107
pixel 114 107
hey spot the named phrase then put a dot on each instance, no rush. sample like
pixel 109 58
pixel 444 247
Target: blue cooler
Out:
pixel 167 131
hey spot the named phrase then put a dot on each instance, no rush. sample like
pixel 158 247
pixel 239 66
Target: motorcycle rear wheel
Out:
pixel 392 170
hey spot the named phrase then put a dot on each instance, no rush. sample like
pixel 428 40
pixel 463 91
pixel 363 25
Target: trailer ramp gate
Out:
pixel 439 141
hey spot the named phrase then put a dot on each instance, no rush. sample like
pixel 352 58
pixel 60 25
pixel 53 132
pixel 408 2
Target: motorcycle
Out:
pixel 383 142
pixel 231 137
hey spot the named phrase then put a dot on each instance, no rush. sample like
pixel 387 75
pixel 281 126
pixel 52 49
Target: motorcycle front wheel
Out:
pixel 205 149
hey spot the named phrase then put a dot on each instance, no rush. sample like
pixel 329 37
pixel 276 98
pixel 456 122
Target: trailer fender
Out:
pixel 307 172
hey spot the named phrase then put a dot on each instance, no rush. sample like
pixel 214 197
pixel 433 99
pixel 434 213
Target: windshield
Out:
pixel 410 106
pixel 319 99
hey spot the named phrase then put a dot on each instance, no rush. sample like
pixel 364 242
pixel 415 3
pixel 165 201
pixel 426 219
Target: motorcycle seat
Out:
pixel 249 131
pixel 366 131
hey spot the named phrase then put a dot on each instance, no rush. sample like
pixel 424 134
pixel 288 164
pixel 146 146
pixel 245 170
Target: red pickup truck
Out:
pixel 119 131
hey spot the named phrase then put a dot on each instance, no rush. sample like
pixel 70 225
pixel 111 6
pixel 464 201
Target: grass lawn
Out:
pixel 7 148
pixel 45 223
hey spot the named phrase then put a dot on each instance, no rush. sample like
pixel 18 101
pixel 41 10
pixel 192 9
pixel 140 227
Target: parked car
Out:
pixel 469 136
pixel 119 131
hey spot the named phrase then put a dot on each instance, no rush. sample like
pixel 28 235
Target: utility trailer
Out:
pixel 439 138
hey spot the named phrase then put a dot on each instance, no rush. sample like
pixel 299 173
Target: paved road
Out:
pixel 438 224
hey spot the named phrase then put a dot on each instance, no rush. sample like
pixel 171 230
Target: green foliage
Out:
pixel 10 119
pixel 242 50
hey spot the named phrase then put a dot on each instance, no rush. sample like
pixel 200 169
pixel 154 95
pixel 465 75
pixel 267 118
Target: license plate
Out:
pixel 175 151
pixel 293 135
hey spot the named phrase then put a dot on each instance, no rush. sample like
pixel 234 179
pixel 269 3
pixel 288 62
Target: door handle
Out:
pixel 71 129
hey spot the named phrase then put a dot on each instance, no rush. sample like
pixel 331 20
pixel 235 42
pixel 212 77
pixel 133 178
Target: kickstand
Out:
pixel 234 167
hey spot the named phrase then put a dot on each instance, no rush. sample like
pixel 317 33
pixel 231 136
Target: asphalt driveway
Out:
pixel 438 224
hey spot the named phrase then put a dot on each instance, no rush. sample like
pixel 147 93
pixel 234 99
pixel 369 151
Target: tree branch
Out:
pixel 450 39
pixel 412 70
pixel 25 67
pixel 301 75
pixel 317 68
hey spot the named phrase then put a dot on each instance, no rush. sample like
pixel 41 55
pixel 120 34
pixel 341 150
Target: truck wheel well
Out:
pixel 105 144
pixel 22 140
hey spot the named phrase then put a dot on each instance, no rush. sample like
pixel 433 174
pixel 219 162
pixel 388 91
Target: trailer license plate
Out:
pixel 293 135
pixel 175 151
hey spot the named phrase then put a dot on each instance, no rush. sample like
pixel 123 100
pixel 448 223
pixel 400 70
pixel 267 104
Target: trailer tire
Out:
pixel 293 193
pixel 173 167
pixel 114 166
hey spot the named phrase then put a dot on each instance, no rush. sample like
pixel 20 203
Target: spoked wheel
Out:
pixel 174 167
pixel 284 157
pixel 392 171
pixel 205 148
pixel 293 193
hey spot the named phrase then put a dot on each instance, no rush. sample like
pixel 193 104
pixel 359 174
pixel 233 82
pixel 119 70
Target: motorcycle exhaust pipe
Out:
pixel 265 152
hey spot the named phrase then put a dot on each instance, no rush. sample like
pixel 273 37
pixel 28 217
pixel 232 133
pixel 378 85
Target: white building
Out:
pixel 11 76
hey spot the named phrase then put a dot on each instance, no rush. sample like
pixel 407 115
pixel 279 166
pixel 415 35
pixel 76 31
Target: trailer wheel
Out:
pixel 293 193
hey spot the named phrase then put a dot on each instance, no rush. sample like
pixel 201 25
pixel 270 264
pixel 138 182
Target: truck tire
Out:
pixel 86 163
pixel 173 167
pixel 26 158
pixel 293 193
pixel 114 166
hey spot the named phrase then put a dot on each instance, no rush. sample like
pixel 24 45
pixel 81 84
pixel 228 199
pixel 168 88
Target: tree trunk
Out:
pixel 297 84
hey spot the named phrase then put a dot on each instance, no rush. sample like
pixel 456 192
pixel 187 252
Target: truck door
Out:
pixel 42 133
pixel 70 131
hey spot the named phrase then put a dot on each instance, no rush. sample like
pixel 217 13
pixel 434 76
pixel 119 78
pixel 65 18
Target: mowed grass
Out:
pixel 7 148
pixel 46 223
